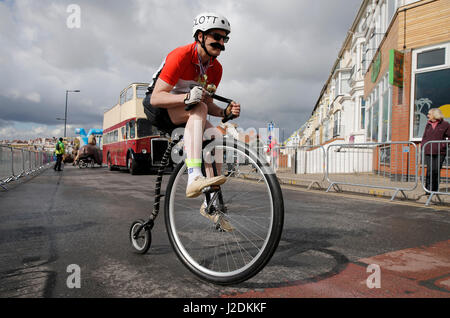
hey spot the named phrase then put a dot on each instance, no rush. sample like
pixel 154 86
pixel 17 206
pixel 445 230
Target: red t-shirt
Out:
pixel 181 68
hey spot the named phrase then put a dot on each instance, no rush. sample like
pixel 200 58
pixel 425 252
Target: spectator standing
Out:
pixel 437 129
pixel 59 151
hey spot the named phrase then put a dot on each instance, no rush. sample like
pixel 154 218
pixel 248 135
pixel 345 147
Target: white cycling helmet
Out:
pixel 209 20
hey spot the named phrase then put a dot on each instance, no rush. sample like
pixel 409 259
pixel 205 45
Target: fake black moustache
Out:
pixel 218 46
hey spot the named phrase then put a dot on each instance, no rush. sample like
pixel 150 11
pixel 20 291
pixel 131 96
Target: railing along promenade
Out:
pixel 16 163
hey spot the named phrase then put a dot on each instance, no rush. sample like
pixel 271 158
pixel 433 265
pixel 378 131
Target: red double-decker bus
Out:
pixel 129 140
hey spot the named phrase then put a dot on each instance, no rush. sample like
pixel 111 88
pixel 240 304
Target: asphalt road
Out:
pixel 53 224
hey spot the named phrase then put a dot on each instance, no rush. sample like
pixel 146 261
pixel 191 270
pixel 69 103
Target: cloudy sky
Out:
pixel 277 60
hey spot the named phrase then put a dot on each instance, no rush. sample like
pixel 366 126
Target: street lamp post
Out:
pixel 65 116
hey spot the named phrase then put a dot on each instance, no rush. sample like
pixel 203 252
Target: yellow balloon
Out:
pixel 445 110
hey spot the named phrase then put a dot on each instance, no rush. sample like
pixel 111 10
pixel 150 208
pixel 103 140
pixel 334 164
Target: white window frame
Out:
pixel 395 6
pixel 360 110
pixel 415 71
pixel 385 88
pixel 376 99
pixel 376 95
pixel 337 126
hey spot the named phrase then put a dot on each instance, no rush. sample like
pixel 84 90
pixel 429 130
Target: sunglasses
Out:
pixel 218 37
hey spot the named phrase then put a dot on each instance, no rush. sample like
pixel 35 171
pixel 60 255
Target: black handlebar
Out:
pixel 189 107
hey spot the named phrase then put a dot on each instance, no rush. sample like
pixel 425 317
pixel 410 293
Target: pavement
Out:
pixel 415 272
pixel 377 185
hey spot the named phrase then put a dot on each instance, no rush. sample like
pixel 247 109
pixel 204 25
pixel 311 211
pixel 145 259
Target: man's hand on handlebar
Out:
pixel 198 94
pixel 195 96
pixel 233 108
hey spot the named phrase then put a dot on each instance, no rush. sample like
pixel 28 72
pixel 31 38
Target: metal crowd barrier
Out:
pixel 307 163
pixel 16 163
pixel 395 166
pixel 435 168
pixel 388 165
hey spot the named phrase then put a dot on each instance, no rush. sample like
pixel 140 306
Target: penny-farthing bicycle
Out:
pixel 250 201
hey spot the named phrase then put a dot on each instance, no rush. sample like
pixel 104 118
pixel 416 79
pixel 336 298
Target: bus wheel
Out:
pixel 132 166
pixel 110 166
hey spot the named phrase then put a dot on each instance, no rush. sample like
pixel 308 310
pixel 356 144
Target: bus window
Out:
pixel 140 92
pixel 116 135
pixel 145 129
pixel 132 129
pixel 122 97
pixel 129 95
pixel 123 133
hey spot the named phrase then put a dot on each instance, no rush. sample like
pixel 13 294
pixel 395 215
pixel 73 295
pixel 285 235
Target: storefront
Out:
pixel 430 87
pixel 409 74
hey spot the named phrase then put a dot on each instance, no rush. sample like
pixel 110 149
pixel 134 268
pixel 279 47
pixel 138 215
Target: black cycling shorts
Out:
pixel 159 117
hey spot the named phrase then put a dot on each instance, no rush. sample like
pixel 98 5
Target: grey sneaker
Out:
pixel 195 188
pixel 216 218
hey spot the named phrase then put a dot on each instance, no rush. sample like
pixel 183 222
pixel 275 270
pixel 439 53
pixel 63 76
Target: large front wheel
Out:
pixel 251 204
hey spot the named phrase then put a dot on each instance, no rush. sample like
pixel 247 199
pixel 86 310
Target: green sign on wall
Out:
pixel 396 68
pixel 376 67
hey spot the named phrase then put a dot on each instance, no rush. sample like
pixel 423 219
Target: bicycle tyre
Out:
pixel 269 240
pixel 145 236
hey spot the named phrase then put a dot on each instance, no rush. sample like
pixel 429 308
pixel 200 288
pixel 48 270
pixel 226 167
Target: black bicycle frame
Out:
pixel 164 164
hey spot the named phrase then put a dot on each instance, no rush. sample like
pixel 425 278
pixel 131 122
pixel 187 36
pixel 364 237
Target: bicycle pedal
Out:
pixel 211 189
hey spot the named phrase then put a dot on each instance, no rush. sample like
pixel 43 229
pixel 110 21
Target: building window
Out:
pixel 363 112
pixel 431 85
pixel 343 82
pixel 386 98
pixel 364 58
pixel 368 118
pixel 392 7
pixel 337 128
pixel 369 123
pixel 431 58
pixel 375 118
pixel 379 105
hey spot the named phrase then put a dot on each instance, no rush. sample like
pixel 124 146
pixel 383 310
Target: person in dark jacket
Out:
pixel 437 129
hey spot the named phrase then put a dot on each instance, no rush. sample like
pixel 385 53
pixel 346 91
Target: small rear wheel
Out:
pixel 142 242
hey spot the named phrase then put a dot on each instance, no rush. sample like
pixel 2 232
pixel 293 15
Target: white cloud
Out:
pixel 24 131
pixel 12 132
pixel 34 97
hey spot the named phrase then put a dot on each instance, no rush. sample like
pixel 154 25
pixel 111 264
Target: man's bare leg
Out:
pixel 193 137
pixel 213 132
